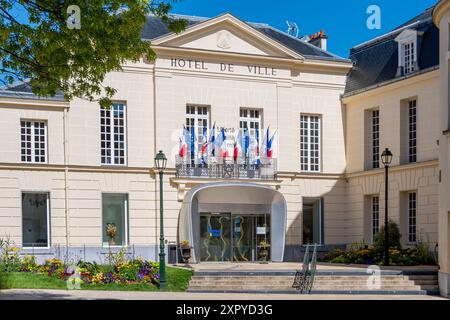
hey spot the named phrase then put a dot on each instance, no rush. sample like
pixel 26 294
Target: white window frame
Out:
pixel 375 215
pixel 112 149
pixel 375 138
pixel 33 141
pixel 412 217
pixel 306 144
pixel 245 121
pixel 196 117
pixel 409 56
pixel 48 220
pixel 412 131
pixel 126 219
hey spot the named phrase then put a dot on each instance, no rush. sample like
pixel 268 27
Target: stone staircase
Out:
pixel 337 282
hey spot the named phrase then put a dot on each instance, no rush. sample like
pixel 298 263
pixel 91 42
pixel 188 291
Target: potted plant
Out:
pixel 185 250
pixel 111 231
pixel 263 251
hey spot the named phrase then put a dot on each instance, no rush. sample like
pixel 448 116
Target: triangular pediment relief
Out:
pixel 227 34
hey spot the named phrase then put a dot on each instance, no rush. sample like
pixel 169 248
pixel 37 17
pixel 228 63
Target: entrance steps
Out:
pixel 326 282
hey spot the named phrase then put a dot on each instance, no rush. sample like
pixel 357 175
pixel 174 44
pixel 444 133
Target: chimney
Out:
pixel 319 40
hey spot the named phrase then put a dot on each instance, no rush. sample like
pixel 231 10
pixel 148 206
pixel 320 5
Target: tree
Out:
pixel 38 44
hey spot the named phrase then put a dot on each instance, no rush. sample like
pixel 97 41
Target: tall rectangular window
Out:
pixel 115 219
pixel 197 118
pixel 412 217
pixel 375 139
pixel 33 141
pixel 313 221
pixel 375 206
pixel 412 131
pixel 35 220
pixel 409 54
pixel 310 144
pixel 113 134
pixel 250 119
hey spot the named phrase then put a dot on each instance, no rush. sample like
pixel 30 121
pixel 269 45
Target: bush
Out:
pixel 394 237
pixel 417 255
pixel 29 264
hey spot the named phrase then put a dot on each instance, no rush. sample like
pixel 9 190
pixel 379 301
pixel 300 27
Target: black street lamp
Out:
pixel 160 164
pixel 386 159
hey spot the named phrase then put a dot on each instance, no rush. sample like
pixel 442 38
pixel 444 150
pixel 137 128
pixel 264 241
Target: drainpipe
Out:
pixel 66 178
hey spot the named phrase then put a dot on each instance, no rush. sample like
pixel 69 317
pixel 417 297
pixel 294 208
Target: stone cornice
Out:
pixel 185 184
pixel 10 102
pixel 404 167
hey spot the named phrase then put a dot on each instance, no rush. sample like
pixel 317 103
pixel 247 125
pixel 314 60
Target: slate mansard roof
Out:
pixel 155 28
pixel 376 61
pixel 22 90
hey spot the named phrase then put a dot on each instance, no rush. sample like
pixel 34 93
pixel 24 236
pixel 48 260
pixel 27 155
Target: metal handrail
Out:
pixel 300 275
pixel 304 278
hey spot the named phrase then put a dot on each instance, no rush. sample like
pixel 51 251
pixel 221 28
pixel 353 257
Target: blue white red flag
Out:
pixel 238 145
pixel 183 143
pixel 270 147
pixel 204 145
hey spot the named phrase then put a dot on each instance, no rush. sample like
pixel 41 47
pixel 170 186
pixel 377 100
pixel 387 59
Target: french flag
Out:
pixel 270 147
pixel 182 151
pixel 223 147
pixel 238 145
pixel 205 144
pixel 257 158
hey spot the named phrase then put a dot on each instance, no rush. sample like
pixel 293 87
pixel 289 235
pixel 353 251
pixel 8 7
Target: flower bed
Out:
pixel 119 270
pixel 132 271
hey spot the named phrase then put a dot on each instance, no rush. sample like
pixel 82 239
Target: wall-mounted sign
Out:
pixel 200 65
pixel 260 230
pixel 214 232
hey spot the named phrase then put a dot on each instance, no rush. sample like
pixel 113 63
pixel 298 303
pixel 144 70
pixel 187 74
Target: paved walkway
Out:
pixel 38 294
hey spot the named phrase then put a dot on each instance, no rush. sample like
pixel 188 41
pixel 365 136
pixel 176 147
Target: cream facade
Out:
pixel 195 68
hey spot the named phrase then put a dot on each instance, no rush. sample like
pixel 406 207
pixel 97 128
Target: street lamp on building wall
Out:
pixel 386 159
pixel 160 164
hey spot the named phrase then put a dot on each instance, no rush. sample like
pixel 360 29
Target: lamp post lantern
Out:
pixel 160 164
pixel 386 159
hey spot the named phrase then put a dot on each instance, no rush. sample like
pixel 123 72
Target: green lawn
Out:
pixel 177 280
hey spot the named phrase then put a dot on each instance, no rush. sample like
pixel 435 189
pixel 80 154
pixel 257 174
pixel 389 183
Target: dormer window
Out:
pixel 408 46
pixel 409 56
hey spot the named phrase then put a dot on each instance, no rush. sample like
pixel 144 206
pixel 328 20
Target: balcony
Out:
pixel 226 168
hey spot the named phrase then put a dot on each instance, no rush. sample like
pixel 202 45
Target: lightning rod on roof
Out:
pixel 292 29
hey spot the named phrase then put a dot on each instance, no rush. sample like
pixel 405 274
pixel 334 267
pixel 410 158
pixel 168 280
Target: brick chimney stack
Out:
pixel 319 39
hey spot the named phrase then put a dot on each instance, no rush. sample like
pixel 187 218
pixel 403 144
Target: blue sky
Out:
pixel 344 21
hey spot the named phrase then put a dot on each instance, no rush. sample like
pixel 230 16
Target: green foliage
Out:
pixel 394 237
pixel 90 267
pixel 29 264
pixel 37 45
pixel 416 255
pixel 9 255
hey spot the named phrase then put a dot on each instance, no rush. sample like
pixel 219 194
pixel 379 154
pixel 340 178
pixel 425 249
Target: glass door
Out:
pixel 243 238
pixel 215 237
